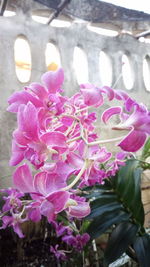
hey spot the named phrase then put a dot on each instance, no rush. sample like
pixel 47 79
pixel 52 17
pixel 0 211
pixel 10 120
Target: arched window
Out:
pixel 127 72
pixel 105 68
pixel 80 65
pixel 22 56
pixel 52 55
pixel 146 72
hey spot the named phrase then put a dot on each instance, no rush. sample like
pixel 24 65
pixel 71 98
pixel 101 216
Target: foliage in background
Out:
pixel 65 157
pixel 117 205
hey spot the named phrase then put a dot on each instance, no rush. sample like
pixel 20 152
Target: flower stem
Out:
pixel 82 109
pixel 74 139
pixel 98 142
pixel 77 177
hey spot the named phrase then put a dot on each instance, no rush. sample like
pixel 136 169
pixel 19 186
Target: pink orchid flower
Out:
pixel 15 221
pixel 95 156
pixel 138 123
pixel 45 190
pixel 58 136
pixel 92 95
pixel 46 99
pixel 37 94
pixel 77 241
pixel 29 143
pixel 59 253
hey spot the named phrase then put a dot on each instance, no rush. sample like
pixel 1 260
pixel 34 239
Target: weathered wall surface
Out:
pixel 66 39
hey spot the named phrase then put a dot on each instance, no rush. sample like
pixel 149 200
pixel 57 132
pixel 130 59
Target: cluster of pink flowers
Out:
pixel 57 137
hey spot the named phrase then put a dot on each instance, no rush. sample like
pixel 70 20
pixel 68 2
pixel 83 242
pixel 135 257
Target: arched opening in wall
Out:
pixel 105 68
pixel 60 23
pixel 22 56
pixel 102 31
pixel 8 13
pixel 127 72
pixel 144 40
pixel 146 72
pixel 40 19
pixel 80 65
pixel 52 56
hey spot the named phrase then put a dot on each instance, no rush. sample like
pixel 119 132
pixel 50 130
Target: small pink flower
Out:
pixel 47 191
pixel 53 80
pixel 92 95
pixel 59 254
pixel 15 221
pixel 78 241
pixel 81 209
pixel 138 123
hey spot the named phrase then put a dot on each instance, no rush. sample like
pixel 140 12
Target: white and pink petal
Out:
pixel 22 179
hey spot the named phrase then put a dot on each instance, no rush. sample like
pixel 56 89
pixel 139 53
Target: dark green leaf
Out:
pixel 122 236
pixel 84 226
pixel 98 194
pixel 125 177
pixel 136 204
pixel 101 223
pixel 146 150
pixel 98 187
pixel 104 203
pixel 104 199
pixel 142 249
pixel 128 187
pixel 99 210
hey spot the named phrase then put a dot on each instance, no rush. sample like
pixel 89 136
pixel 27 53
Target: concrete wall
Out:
pixel 66 39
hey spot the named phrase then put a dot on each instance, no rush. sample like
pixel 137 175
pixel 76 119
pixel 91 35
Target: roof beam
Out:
pixel 3 7
pixel 97 11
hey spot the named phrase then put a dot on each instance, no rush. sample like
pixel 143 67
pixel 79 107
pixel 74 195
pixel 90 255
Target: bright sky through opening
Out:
pixel 143 5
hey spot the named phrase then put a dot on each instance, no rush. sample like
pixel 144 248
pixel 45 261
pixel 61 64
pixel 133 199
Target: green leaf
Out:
pixel 146 150
pixel 97 194
pixel 142 249
pixel 138 212
pixel 100 210
pixel 122 236
pixel 128 187
pixel 101 223
pixel 105 202
pixel 98 187
pixel 84 226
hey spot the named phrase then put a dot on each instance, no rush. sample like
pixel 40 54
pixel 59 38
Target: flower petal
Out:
pixel 110 112
pixel 109 91
pixel 55 182
pixel 47 209
pixel 55 139
pixel 133 141
pixel 34 214
pixel 59 200
pixel 28 121
pixel 19 98
pixel 22 179
pixel 17 154
pixel 75 160
pixel 100 155
pixel 82 209
pixel 53 80
pixel 121 95
pixel 129 103
pixel 40 183
pixel 17 230
pixel 64 170
pixel 20 138
pixel 38 90
pixel 92 95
